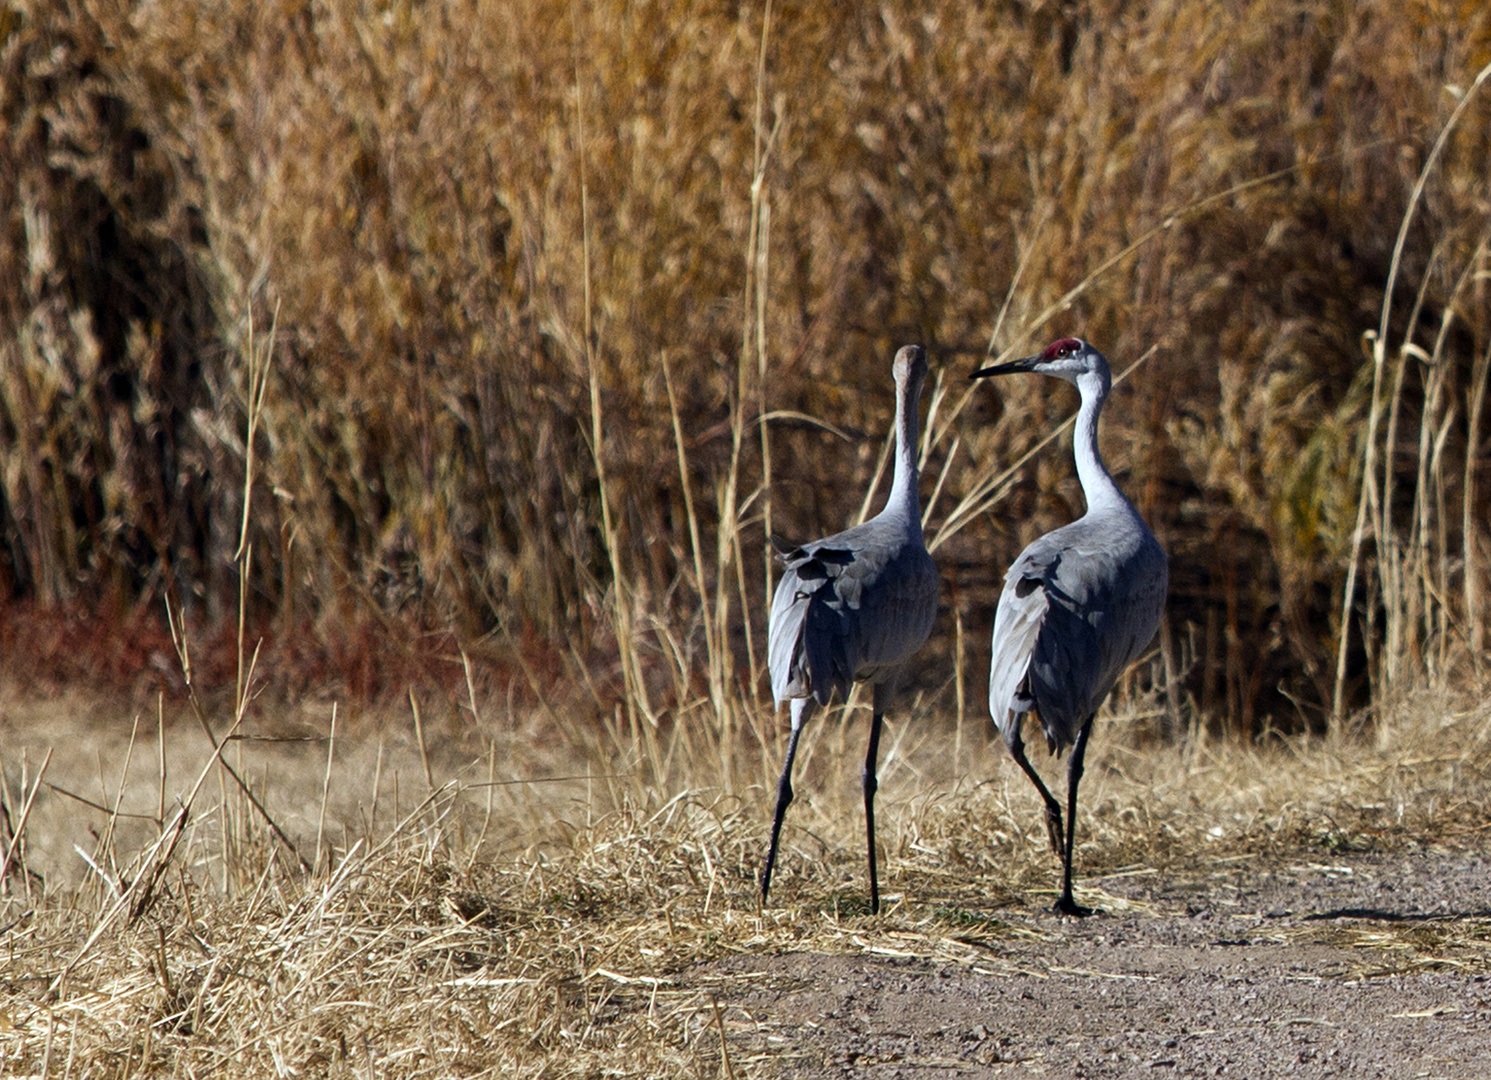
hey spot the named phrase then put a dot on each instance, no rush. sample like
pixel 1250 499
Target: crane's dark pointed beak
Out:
pixel 1027 364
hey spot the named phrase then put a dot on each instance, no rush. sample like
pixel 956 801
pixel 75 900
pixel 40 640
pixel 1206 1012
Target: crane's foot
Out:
pixel 1067 906
pixel 765 879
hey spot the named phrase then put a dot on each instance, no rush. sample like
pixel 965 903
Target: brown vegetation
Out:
pixel 490 235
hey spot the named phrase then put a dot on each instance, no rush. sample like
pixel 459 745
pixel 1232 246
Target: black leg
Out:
pixel 1066 905
pixel 870 784
pixel 1053 808
pixel 802 708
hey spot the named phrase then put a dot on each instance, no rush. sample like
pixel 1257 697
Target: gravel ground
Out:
pixel 1356 966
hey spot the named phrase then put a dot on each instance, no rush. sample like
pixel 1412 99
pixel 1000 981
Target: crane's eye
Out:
pixel 1059 350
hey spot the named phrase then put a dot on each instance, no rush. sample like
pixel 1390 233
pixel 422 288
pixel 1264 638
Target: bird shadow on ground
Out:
pixel 1200 974
pixel 1381 915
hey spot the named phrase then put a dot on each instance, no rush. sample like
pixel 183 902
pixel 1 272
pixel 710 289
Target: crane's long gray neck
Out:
pixel 903 501
pixel 1097 485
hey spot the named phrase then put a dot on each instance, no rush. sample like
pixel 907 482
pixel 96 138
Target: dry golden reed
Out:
pixel 515 249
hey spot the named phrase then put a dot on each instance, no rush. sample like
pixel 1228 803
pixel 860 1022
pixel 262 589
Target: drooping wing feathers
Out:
pixel 1079 606
pixel 1017 624
pixel 804 639
pixel 850 606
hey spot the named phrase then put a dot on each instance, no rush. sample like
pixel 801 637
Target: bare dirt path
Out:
pixel 1348 966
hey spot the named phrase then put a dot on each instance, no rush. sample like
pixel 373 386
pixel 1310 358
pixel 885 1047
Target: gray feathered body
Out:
pixel 854 607
pixel 851 607
pixel 1079 606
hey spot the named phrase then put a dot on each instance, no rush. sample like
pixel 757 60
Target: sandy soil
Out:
pixel 1358 966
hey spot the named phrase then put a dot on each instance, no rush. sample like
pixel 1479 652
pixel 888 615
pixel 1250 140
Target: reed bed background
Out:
pixel 574 302
pixel 395 401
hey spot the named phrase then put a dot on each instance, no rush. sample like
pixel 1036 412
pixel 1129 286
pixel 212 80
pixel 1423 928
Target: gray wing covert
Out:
pixel 1067 669
pixel 848 606
pixel 1104 602
pixel 1048 652
pixel 1134 614
pixel 1017 625
pixel 806 637
pixel 895 608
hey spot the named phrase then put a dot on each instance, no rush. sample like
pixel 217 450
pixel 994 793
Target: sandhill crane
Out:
pixel 854 607
pixel 1079 605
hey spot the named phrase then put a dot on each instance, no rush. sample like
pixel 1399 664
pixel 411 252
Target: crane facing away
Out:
pixel 1079 605
pixel 854 607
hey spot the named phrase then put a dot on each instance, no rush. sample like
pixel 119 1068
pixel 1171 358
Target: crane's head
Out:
pixel 1069 358
pixel 910 367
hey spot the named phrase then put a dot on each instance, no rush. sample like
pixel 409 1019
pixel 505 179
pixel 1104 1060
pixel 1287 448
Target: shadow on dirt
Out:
pixel 1289 970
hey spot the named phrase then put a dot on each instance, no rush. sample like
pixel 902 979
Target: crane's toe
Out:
pixel 1067 906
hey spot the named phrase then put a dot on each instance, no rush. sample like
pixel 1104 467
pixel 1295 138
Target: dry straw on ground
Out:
pixel 553 929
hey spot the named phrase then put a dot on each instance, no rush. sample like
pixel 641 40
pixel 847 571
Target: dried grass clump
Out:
pixel 558 290
pixel 566 930
pixel 390 961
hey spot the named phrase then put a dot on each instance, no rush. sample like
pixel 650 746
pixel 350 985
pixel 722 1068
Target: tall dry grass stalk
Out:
pixel 1415 596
